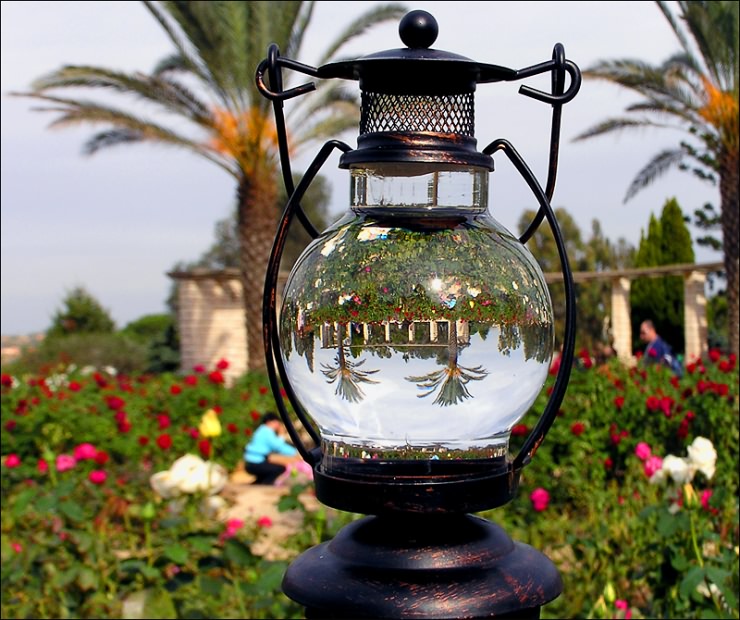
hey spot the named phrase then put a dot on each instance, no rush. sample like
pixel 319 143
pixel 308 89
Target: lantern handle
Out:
pixel 559 66
pixel 535 438
pixel 272 65
pixel 271 338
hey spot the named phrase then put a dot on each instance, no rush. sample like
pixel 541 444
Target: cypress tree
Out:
pixel 668 242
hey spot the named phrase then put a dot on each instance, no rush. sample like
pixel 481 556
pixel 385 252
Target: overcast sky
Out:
pixel 116 223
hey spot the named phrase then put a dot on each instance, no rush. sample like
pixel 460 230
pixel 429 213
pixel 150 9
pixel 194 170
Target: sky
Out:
pixel 117 222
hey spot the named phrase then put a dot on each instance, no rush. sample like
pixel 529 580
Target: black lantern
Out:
pixel 412 336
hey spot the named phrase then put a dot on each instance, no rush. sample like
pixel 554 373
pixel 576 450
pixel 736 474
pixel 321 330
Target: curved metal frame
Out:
pixel 558 66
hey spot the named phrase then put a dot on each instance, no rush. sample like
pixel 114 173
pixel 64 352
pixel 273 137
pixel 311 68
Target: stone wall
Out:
pixel 210 317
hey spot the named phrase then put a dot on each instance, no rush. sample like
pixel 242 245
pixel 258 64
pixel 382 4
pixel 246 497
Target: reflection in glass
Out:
pixel 348 376
pixel 452 379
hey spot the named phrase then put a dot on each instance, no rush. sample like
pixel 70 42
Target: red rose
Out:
pixel 216 377
pixel 115 403
pixel 164 441
pixel 205 448
pixel 222 364
pixel 577 428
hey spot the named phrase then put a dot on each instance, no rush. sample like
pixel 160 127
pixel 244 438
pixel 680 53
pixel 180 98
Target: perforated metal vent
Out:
pixel 446 114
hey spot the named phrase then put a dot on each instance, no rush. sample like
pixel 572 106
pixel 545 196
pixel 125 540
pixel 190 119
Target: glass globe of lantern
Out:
pixel 416 326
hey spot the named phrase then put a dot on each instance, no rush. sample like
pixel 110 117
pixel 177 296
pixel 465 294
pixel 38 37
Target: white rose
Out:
pixel 703 456
pixel 184 473
pixel 678 469
pixel 163 486
pixel 212 506
pixel 658 477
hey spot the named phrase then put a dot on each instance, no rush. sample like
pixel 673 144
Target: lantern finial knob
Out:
pixel 418 29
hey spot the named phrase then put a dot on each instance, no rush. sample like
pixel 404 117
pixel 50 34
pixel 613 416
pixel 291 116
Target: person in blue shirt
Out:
pixel 267 455
pixel 657 350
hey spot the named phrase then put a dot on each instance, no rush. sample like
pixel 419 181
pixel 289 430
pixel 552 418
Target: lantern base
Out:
pixel 375 486
pixel 422 566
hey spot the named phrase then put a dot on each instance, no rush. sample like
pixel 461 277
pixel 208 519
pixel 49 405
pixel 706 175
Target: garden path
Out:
pixel 251 502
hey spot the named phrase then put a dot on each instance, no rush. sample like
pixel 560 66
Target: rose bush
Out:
pixel 110 497
pixel 643 499
pixel 110 504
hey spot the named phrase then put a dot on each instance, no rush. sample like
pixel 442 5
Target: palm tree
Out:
pixel 209 82
pixel 348 376
pixel 696 90
pixel 451 380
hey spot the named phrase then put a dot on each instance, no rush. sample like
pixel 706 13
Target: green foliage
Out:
pixel 596 254
pixel 717 319
pixel 93 349
pixel 661 300
pixel 81 313
pixel 158 333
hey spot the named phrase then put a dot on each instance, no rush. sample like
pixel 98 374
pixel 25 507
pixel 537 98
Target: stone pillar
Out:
pixel 621 324
pixel 695 315
pixel 211 325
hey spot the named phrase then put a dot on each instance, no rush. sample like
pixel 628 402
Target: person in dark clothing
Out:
pixel 267 455
pixel 657 350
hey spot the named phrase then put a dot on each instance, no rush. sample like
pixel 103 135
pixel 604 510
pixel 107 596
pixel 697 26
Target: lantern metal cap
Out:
pixel 417 102
pixel 417 69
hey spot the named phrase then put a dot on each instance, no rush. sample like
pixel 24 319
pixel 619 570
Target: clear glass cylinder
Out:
pixel 416 326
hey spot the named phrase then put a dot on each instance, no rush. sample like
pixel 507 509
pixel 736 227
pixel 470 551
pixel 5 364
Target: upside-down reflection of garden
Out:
pixel 633 494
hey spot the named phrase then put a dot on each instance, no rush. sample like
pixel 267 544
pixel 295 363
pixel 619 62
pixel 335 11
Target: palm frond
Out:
pixel 171 64
pixel 361 25
pixel 192 63
pixel 657 166
pixel 170 95
pixel 614 125
pixel 303 20
pixel 75 112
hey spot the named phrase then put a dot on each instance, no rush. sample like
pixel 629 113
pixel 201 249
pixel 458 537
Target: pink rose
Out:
pixel 622 605
pixel 264 522
pixel 705 496
pixel 643 451
pixel 652 465
pixel 12 460
pixel 85 451
pixel 65 462
pixel 540 498
pixel 232 527
pixel 97 476
pixel 42 466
